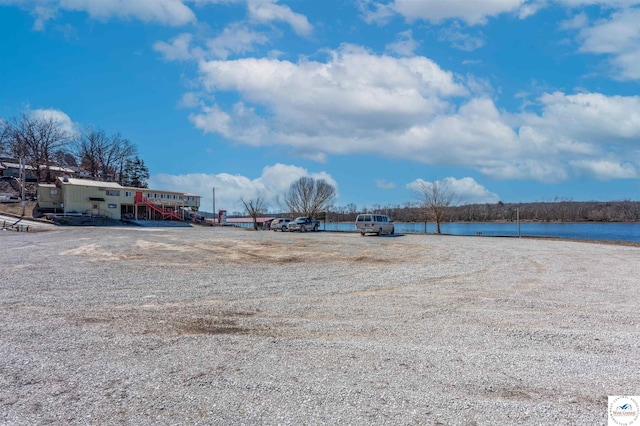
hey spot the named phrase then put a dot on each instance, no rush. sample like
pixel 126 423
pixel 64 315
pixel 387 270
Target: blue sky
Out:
pixel 511 100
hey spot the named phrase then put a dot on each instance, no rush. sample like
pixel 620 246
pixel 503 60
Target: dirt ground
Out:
pixel 226 326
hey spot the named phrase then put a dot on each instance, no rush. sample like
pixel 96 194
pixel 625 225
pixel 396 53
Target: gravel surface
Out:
pixel 228 326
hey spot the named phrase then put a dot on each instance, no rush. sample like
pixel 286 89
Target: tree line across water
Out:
pixel 557 211
pixel 438 203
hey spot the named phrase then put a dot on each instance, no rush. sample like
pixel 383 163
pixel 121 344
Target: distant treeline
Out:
pixel 563 211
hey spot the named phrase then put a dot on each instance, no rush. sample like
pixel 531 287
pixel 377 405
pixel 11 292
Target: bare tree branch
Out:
pixel 105 156
pixel 89 147
pixel 255 207
pixel 37 140
pixel 436 197
pixel 308 196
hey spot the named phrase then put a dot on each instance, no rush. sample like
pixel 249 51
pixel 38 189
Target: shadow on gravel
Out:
pixel 211 329
pixel 215 323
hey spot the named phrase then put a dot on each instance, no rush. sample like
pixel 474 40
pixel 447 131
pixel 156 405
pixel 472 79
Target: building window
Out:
pixel 113 192
pixel 53 191
pixel 128 194
pixel 112 206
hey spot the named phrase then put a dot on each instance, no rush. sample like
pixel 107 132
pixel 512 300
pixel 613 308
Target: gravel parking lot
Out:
pixel 229 326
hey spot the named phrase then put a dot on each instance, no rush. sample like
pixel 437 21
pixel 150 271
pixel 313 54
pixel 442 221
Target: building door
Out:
pixel 95 210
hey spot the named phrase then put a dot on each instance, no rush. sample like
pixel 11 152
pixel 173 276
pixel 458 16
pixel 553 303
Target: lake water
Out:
pixel 586 231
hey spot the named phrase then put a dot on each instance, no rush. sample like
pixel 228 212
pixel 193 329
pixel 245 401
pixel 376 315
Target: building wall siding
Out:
pixel 75 197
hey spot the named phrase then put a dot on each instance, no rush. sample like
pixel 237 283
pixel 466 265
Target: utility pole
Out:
pixel 214 205
pixel 22 183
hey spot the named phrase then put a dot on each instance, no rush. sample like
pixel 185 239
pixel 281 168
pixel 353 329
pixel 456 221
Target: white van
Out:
pixel 374 224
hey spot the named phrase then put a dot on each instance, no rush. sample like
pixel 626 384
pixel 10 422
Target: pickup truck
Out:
pixel 303 224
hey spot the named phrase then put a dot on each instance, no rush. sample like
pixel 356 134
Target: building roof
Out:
pixel 87 182
pixel 9 165
pixel 164 191
pixel 61 169
pixel 114 185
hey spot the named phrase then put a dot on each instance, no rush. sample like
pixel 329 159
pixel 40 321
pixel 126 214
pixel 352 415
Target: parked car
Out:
pixel 374 224
pixel 280 224
pixel 303 224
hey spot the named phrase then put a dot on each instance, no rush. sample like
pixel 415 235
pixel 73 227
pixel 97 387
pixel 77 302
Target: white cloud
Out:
pixel 605 169
pixel 357 102
pixel 619 38
pixel 573 133
pixel 60 117
pixel 268 11
pixel 383 184
pixel 405 45
pixel 629 65
pixel 42 14
pixel 579 21
pixel 531 8
pixel 212 120
pixel 229 189
pixel 167 12
pixel 480 87
pixel 241 124
pixel 190 100
pixel 465 190
pixel 614 4
pixel 237 38
pixel 179 49
pixel 461 40
pixel 205 2
pixel 475 136
pixel 589 117
pixel 374 12
pixel 473 12
pixel 234 39
pixel 353 91
pixel 548 170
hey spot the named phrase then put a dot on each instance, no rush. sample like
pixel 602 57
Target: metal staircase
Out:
pixel 165 213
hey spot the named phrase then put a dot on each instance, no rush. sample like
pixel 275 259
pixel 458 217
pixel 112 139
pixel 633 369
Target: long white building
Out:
pixel 111 200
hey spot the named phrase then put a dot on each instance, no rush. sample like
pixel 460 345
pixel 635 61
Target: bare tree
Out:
pixel 308 196
pixel 436 197
pixel 35 139
pixel 4 136
pixel 255 207
pixel 113 155
pixel 127 155
pixel 90 145
pixel 103 155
